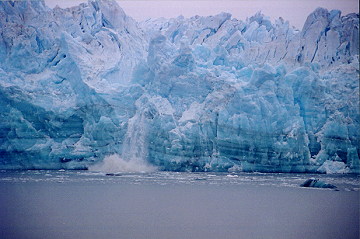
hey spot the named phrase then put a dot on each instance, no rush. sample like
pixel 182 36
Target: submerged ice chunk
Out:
pixel 316 183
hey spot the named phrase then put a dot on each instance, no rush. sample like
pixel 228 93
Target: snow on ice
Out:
pixel 83 84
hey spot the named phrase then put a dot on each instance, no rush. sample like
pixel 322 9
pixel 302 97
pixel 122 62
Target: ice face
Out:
pixel 88 83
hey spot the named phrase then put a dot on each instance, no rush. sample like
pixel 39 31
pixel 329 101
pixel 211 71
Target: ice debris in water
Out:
pixel 331 167
pixel 316 183
pixel 80 85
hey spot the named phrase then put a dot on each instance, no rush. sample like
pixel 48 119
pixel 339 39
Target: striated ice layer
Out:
pixel 88 87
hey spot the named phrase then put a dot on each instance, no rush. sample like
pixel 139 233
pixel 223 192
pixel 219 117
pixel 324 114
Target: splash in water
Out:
pixel 133 157
pixel 115 163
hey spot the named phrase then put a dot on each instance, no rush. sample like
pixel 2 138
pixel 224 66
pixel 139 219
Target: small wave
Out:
pixel 115 164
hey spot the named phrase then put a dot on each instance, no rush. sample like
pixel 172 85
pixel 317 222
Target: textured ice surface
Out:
pixel 210 93
pixel 333 167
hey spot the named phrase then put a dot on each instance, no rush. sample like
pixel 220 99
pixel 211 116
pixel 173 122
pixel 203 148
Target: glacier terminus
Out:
pixel 88 87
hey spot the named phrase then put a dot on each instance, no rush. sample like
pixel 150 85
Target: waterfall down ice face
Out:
pixel 90 87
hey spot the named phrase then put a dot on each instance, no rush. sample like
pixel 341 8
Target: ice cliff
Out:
pixel 88 84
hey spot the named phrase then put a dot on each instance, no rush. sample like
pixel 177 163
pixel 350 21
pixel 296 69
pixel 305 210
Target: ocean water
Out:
pixel 84 204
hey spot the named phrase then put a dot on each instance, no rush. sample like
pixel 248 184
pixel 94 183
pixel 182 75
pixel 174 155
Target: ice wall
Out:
pixel 199 94
pixel 62 74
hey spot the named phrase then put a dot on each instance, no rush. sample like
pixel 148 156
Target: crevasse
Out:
pixel 89 83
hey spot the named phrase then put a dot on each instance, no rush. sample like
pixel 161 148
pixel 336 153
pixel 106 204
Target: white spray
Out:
pixel 134 154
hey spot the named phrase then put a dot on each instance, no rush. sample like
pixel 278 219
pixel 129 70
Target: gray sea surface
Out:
pixel 84 204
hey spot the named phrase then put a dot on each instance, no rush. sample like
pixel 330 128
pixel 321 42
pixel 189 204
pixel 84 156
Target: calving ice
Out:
pixel 88 87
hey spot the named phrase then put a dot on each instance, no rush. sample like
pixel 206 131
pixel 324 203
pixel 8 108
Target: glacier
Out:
pixel 88 86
